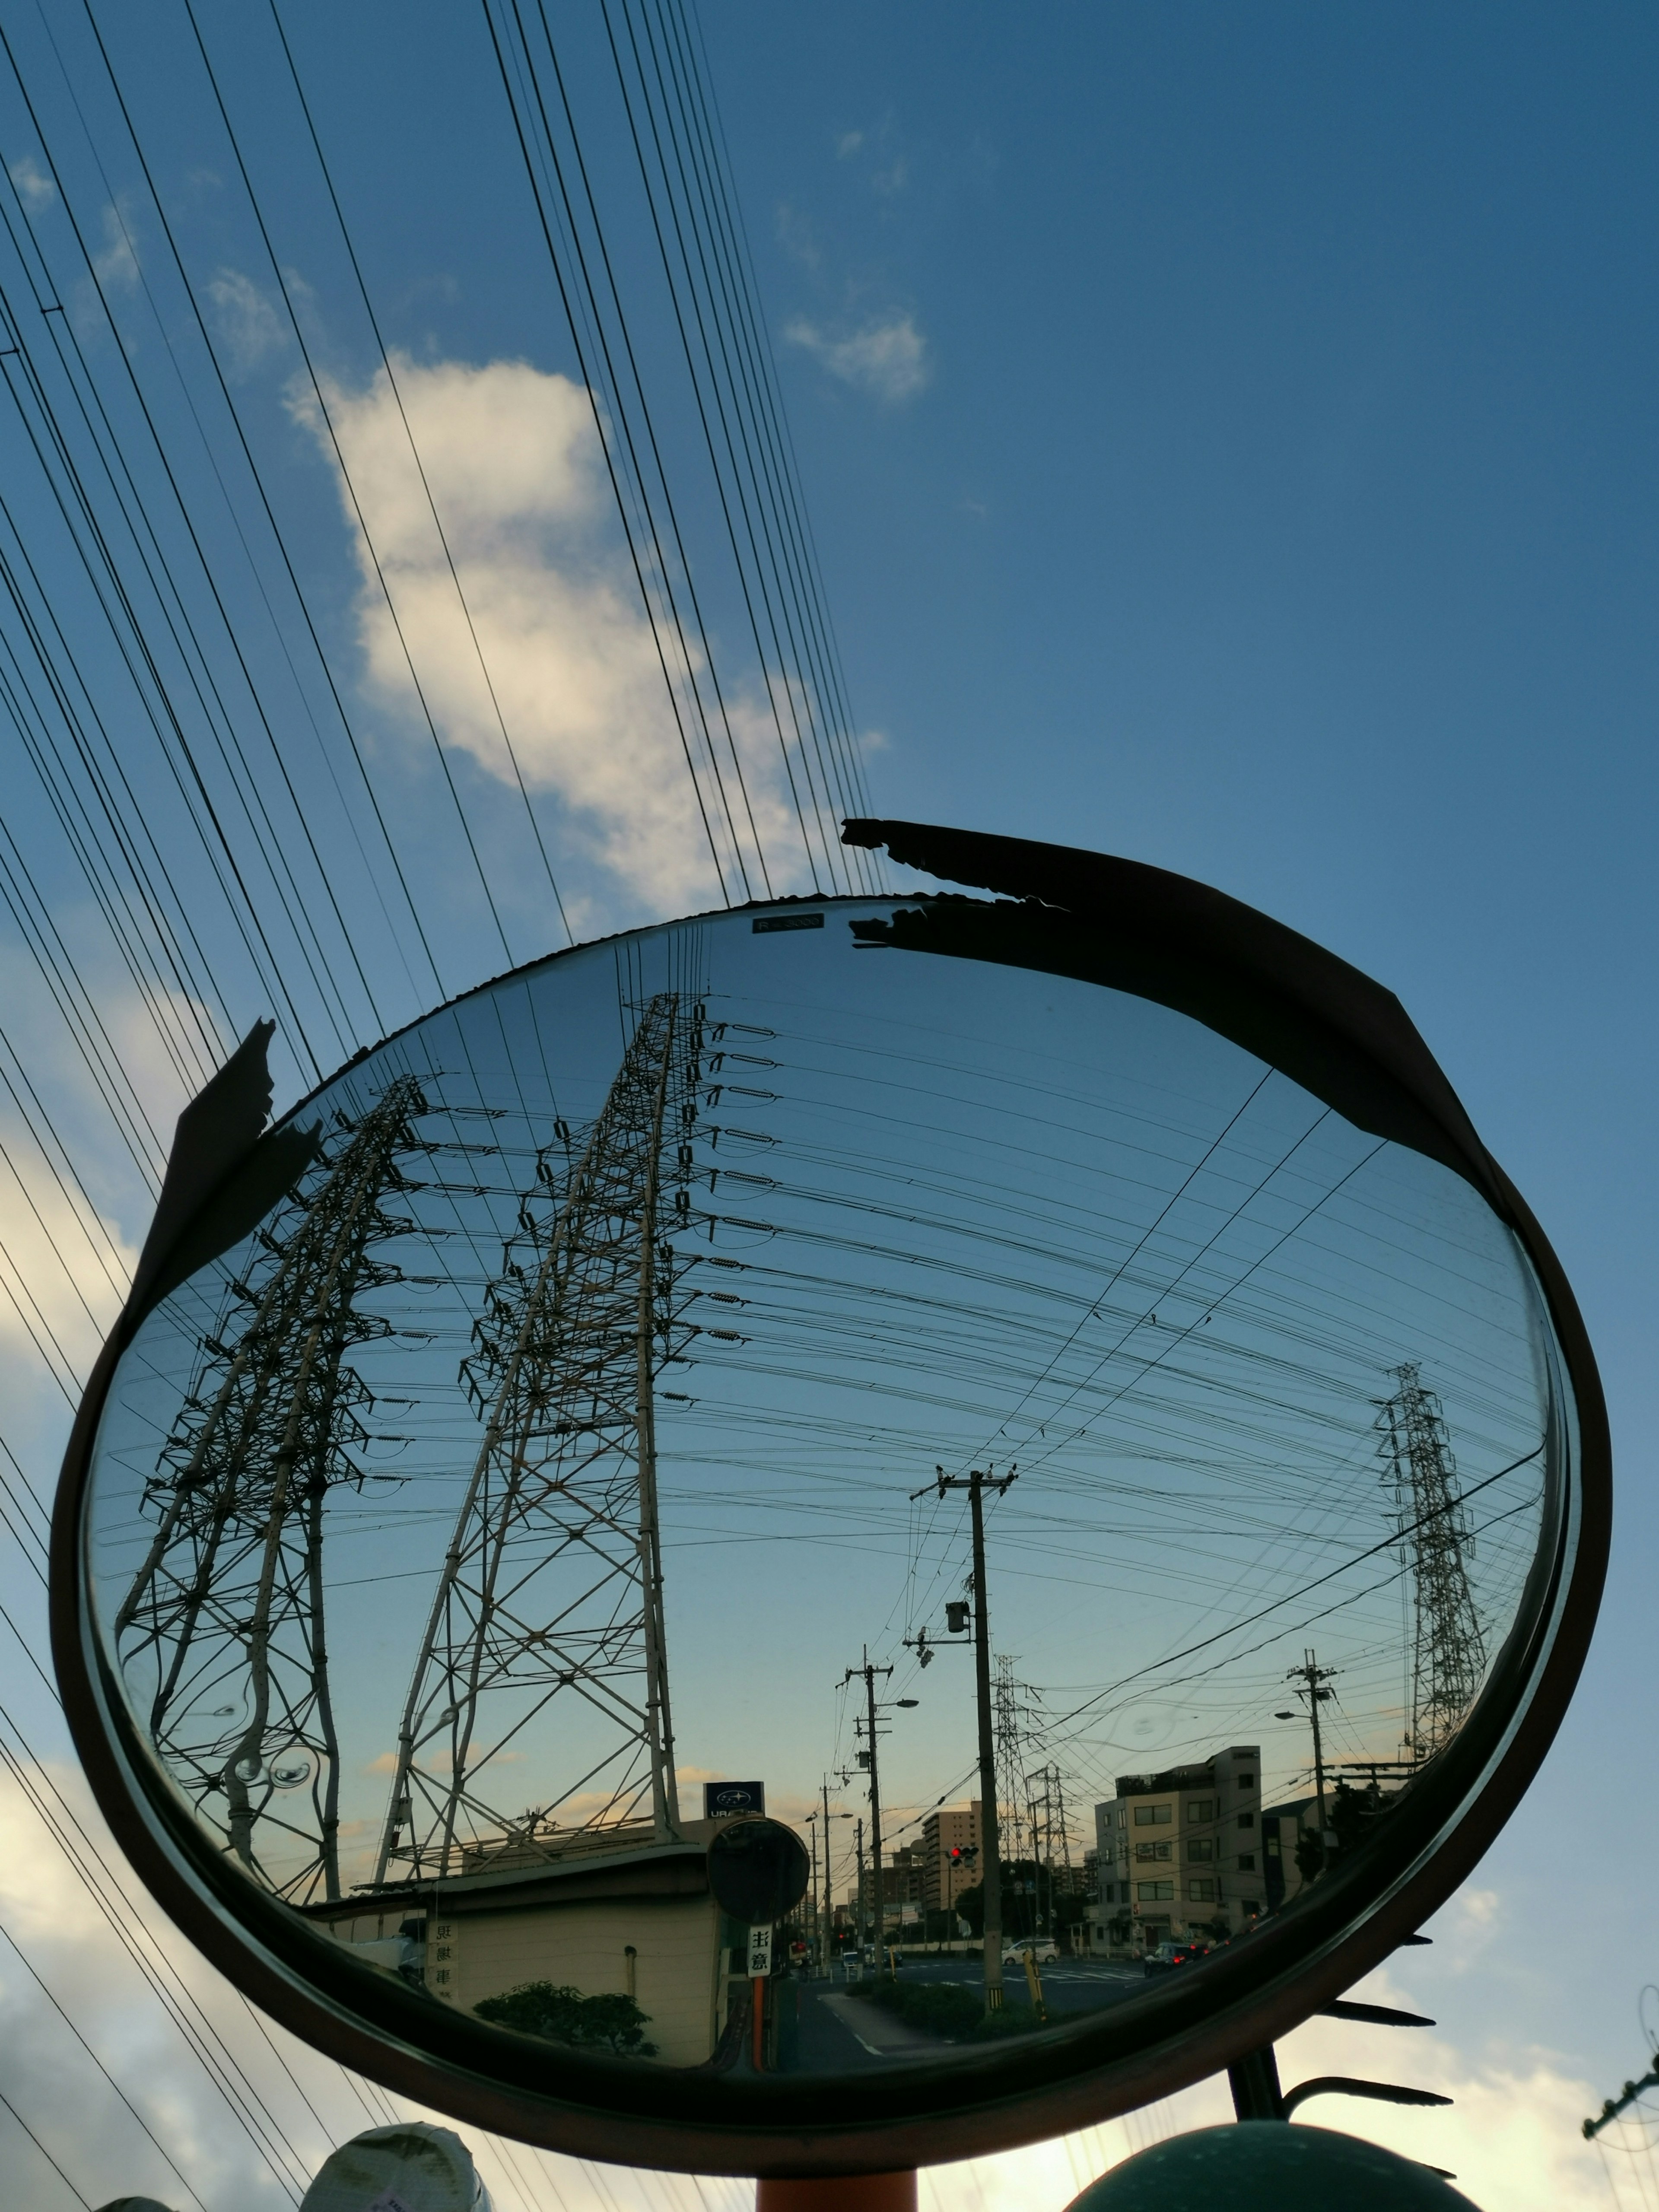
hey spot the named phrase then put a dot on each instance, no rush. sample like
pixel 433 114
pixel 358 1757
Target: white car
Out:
pixel 1043 1951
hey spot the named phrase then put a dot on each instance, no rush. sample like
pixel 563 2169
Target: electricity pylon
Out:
pixel 221 1636
pixel 1448 1651
pixel 549 1607
pixel 1013 1785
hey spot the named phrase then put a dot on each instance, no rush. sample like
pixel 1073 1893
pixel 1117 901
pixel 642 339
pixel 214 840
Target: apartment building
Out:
pixel 1181 1852
pixel 953 1829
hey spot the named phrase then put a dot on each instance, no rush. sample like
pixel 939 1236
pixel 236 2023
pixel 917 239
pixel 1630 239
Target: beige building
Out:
pixel 628 1917
pixel 953 1828
pixel 1181 1852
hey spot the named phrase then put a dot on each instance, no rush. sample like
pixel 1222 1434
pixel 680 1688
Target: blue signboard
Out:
pixel 721 1800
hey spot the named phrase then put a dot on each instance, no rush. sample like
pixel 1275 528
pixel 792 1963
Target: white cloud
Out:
pixel 796 236
pixel 34 187
pixel 848 144
pixel 115 261
pixel 247 324
pixel 514 467
pixel 66 1254
pixel 55 1267
pixel 889 360
pixel 1511 2133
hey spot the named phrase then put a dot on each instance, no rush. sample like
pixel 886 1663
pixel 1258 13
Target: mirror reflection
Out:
pixel 1037 1483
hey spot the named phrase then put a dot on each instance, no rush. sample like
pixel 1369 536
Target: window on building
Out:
pixel 1153 1816
pixel 1272 1845
pixel 1154 1850
pixel 1201 1808
pixel 1247 1819
pixel 1246 1781
pixel 1200 1847
pixel 1154 1893
pixel 1246 1863
pixel 1200 1889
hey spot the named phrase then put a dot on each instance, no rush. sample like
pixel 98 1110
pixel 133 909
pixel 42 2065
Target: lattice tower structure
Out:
pixel 1447 1647
pixel 1013 1790
pixel 221 1635
pixel 545 1639
pixel 1050 1844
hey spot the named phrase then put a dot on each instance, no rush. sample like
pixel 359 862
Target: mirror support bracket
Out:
pixel 1253 2080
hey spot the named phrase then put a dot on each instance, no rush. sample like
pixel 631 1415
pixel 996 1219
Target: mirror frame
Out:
pixel 1146 931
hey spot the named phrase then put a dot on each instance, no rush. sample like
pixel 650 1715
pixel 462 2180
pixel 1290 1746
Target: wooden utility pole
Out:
pixel 977 1483
pixel 1309 1677
pixel 867 1673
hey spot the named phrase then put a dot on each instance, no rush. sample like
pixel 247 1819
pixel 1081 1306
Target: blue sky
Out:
pixel 1278 509
pixel 1228 440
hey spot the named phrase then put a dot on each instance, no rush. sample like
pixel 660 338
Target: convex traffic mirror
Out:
pixel 836 1519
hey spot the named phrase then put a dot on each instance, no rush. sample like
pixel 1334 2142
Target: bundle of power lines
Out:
pixel 199 829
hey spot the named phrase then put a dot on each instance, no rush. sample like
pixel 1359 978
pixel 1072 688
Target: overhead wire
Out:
pixel 736 374
pixel 621 452
pixel 426 488
pixel 257 478
pixel 327 417
pixel 766 664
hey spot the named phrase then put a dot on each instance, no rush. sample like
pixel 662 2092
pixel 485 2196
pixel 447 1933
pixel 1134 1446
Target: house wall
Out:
pixel 675 1966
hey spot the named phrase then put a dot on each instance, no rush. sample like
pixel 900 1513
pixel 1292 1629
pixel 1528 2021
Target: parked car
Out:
pixel 1170 1956
pixel 1040 1949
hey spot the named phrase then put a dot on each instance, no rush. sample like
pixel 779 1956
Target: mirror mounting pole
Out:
pixel 1253 2080
pixel 840 2192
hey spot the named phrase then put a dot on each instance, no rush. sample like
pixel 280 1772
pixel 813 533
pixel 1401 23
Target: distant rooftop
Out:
pixel 1200 1776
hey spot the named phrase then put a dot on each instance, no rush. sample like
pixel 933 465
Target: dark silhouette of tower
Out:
pixel 1447 1649
pixel 221 1635
pixel 545 1637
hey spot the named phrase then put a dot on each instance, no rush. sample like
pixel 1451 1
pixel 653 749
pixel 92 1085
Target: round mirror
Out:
pixel 839 1515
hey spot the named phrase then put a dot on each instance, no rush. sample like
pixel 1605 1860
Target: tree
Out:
pixel 563 2014
pixel 1352 1815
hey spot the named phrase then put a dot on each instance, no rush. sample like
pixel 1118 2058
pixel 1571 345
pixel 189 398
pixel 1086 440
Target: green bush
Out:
pixel 565 2016
pixel 947 2008
pixel 1006 2020
pixel 940 2007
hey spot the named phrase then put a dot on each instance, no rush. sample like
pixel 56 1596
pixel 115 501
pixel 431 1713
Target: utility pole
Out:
pixel 858 1847
pixel 867 1673
pixel 817 1921
pixel 1309 1677
pixel 1614 2106
pixel 976 1483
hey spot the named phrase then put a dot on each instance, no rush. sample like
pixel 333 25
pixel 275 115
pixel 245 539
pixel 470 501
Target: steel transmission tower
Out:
pixel 1012 1786
pixel 1447 1654
pixel 221 1633
pixel 551 1589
